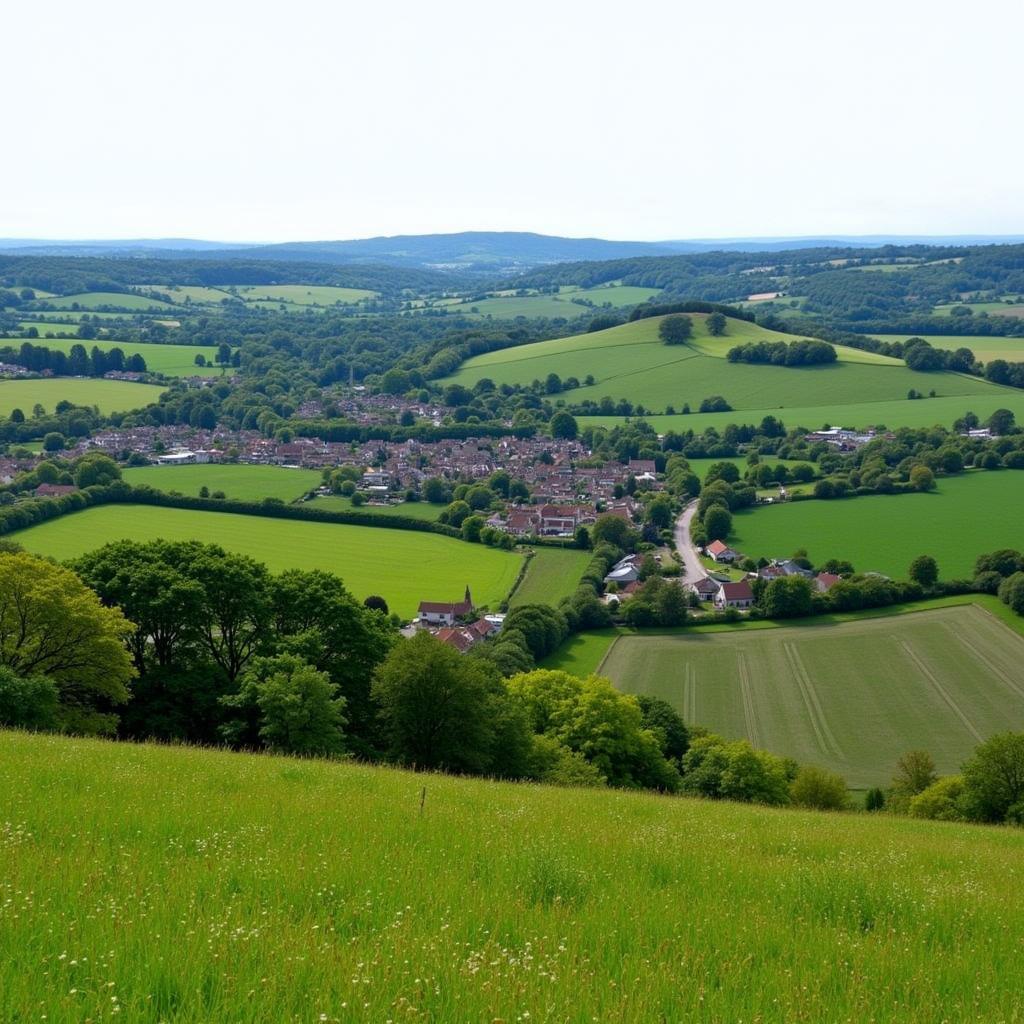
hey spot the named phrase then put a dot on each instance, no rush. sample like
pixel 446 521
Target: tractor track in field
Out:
pixel 987 662
pixel 939 688
pixel 819 723
pixel 749 713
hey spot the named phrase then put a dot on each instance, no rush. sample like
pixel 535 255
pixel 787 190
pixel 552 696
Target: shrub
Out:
pixel 819 789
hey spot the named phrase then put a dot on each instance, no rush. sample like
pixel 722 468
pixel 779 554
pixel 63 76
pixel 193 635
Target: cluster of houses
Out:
pixel 455 623
pixel 843 440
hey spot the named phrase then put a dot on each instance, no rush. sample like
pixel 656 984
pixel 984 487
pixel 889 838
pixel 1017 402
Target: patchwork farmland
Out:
pixel 852 697
pixel 108 395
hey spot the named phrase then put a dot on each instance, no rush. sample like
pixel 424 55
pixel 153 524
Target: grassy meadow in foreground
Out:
pixel 157 884
pixel 401 566
pixel 852 697
pixel 964 517
pixel 245 483
pixel 109 395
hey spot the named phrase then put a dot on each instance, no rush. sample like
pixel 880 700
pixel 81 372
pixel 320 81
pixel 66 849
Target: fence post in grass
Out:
pixel 423 799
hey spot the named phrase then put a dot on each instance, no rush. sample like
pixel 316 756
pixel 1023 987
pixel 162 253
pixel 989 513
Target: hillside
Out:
pixel 631 362
pixel 254 889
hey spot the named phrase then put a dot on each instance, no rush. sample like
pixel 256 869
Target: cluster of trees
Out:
pixel 779 353
pixel 76 362
pixel 718 500
pixel 988 789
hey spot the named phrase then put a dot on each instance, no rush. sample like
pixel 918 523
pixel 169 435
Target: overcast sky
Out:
pixel 645 120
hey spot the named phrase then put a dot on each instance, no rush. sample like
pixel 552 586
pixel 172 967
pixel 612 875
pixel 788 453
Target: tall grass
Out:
pixel 162 884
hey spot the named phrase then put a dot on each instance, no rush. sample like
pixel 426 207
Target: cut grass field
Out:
pixel 304 294
pixel 964 517
pixel 122 300
pixel 245 483
pixel 172 360
pixel 984 348
pixel 631 362
pixel 925 412
pixel 196 294
pixel 403 567
pixel 109 395
pixel 168 884
pixel 851 697
pixel 551 574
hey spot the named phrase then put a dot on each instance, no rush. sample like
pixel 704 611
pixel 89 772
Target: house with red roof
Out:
pixel 825 581
pixel 439 613
pixel 734 595
pixel 721 552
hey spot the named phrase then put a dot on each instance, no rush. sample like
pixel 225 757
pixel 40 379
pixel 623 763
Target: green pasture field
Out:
pixel 411 509
pixel 967 515
pixel 172 360
pixel 305 294
pixel 508 306
pixel 246 483
pixel 851 697
pixel 994 308
pixel 404 567
pixel 159 883
pixel 45 328
pixel 631 362
pixel 984 348
pixel 197 294
pixel 551 574
pixel 901 413
pixel 701 466
pixel 108 395
pixel 93 300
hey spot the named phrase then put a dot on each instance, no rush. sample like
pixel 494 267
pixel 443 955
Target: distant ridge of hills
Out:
pixel 491 252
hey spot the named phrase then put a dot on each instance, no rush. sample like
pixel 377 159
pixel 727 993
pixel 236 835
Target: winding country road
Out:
pixel 685 551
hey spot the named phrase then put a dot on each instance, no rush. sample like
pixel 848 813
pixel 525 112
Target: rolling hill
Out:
pixel 630 362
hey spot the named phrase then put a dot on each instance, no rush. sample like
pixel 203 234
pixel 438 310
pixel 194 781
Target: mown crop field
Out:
pixel 304 294
pixel 122 300
pixel 926 412
pixel 245 483
pixel 551 574
pixel 172 360
pixel 402 566
pixel 196 294
pixel 984 348
pixel 631 362
pixel 158 884
pixel 109 395
pixel 852 697
pixel 964 517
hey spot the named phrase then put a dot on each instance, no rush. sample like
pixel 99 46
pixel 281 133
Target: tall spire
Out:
pixel 469 597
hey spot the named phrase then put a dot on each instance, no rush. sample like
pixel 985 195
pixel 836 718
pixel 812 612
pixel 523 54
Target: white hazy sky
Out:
pixel 317 120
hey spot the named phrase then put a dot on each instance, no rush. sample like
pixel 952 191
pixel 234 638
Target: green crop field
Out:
pixel 852 697
pixel 903 413
pixel 45 328
pixel 631 362
pixel 159 884
pixel 196 294
pixel 93 300
pixel 109 395
pixel 984 348
pixel 551 574
pixel 172 360
pixel 412 509
pixel 994 308
pixel 508 306
pixel 402 566
pixel 964 517
pixel 304 294
pixel 246 483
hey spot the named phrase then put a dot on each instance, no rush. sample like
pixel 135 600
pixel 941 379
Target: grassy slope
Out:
pixel 109 395
pixel 966 516
pixel 173 360
pixel 825 694
pixel 403 567
pixel 630 362
pixel 247 483
pixel 305 294
pixel 551 574
pixel 185 885
pixel 985 349
pixel 91 300
pixel 897 413
pixel 561 305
